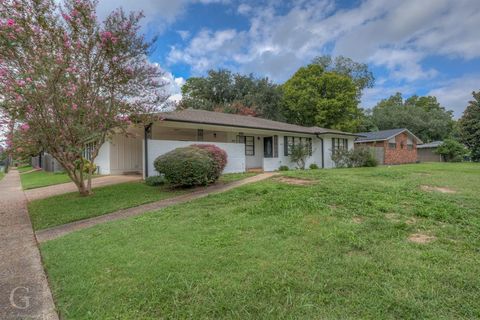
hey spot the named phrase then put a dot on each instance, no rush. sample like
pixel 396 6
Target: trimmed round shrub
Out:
pixel 185 167
pixel 155 181
pixel 283 168
pixel 313 166
pixel 218 155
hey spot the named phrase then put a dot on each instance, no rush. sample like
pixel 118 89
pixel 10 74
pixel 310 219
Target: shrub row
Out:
pixel 358 157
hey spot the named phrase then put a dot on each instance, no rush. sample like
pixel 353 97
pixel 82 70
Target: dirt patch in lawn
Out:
pixel 421 238
pixel 393 217
pixel 437 189
pixel 294 181
pixel 411 221
pixel 358 220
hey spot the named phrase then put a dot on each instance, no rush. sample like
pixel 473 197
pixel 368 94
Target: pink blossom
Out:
pixel 24 127
pixel 66 17
pixel 74 107
pixel 10 22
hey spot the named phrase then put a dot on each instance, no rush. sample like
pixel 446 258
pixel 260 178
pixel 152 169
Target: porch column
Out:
pixel 147 131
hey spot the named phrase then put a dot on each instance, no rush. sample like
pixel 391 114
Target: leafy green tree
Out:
pixel 469 126
pixel 313 97
pixel 233 93
pixel 361 76
pixel 424 116
pixel 452 150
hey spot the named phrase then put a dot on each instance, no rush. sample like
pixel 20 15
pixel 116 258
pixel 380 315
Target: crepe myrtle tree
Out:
pixel 70 81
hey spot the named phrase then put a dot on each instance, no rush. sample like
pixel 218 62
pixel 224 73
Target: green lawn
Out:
pixel 71 207
pixel 39 179
pixel 61 209
pixel 2 174
pixel 23 169
pixel 337 248
pixel 231 177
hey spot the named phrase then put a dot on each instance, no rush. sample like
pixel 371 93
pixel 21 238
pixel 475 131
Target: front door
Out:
pixel 268 147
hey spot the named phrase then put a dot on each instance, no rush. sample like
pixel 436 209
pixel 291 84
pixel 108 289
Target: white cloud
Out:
pixel 456 93
pixel 244 9
pixel 396 35
pixel 158 13
pixel 184 34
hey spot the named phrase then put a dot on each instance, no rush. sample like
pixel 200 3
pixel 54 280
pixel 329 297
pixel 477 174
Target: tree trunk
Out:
pixel 84 190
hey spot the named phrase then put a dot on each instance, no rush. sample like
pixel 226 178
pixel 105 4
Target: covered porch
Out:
pixel 247 149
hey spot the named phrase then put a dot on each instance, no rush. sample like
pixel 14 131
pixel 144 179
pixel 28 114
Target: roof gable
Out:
pixel 383 135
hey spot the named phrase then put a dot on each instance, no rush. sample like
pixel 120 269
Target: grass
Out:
pixel 231 177
pixel 61 209
pixel 65 208
pixel 2 174
pixel 25 168
pixel 337 248
pixel 39 179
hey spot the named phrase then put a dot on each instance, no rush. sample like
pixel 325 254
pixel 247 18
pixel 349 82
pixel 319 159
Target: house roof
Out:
pixel 433 144
pixel 240 121
pixel 383 135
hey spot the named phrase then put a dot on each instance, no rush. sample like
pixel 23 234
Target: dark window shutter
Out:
pixel 333 143
pixel 275 146
pixel 285 146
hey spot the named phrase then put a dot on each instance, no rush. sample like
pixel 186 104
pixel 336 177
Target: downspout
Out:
pixel 323 155
pixel 145 141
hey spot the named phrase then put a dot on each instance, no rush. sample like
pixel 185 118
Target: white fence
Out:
pixel 235 153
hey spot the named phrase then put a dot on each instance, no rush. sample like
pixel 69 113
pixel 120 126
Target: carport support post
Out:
pixel 147 131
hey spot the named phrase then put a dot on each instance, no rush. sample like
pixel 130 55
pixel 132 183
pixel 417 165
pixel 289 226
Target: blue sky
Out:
pixel 415 47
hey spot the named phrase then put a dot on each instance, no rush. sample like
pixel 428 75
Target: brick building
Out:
pixel 395 146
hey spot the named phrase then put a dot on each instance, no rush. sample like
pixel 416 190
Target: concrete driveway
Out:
pixel 45 192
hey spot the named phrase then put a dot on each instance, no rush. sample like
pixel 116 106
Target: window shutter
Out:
pixel 275 146
pixel 333 143
pixel 346 144
pixel 285 146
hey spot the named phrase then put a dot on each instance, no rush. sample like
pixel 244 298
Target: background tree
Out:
pixel 70 80
pixel 358 72
pixel 424 116
pixel 224 91
pixel 452 150
pixel 469 126
pixel 313 97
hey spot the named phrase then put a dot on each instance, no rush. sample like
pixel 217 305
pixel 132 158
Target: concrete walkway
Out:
pixel 56 232
pixel 24 291
pixel 45 192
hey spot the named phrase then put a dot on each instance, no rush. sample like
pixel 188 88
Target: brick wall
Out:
pixel 398 155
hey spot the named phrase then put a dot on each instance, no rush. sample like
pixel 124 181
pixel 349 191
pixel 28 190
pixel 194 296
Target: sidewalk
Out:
pixel 24 291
